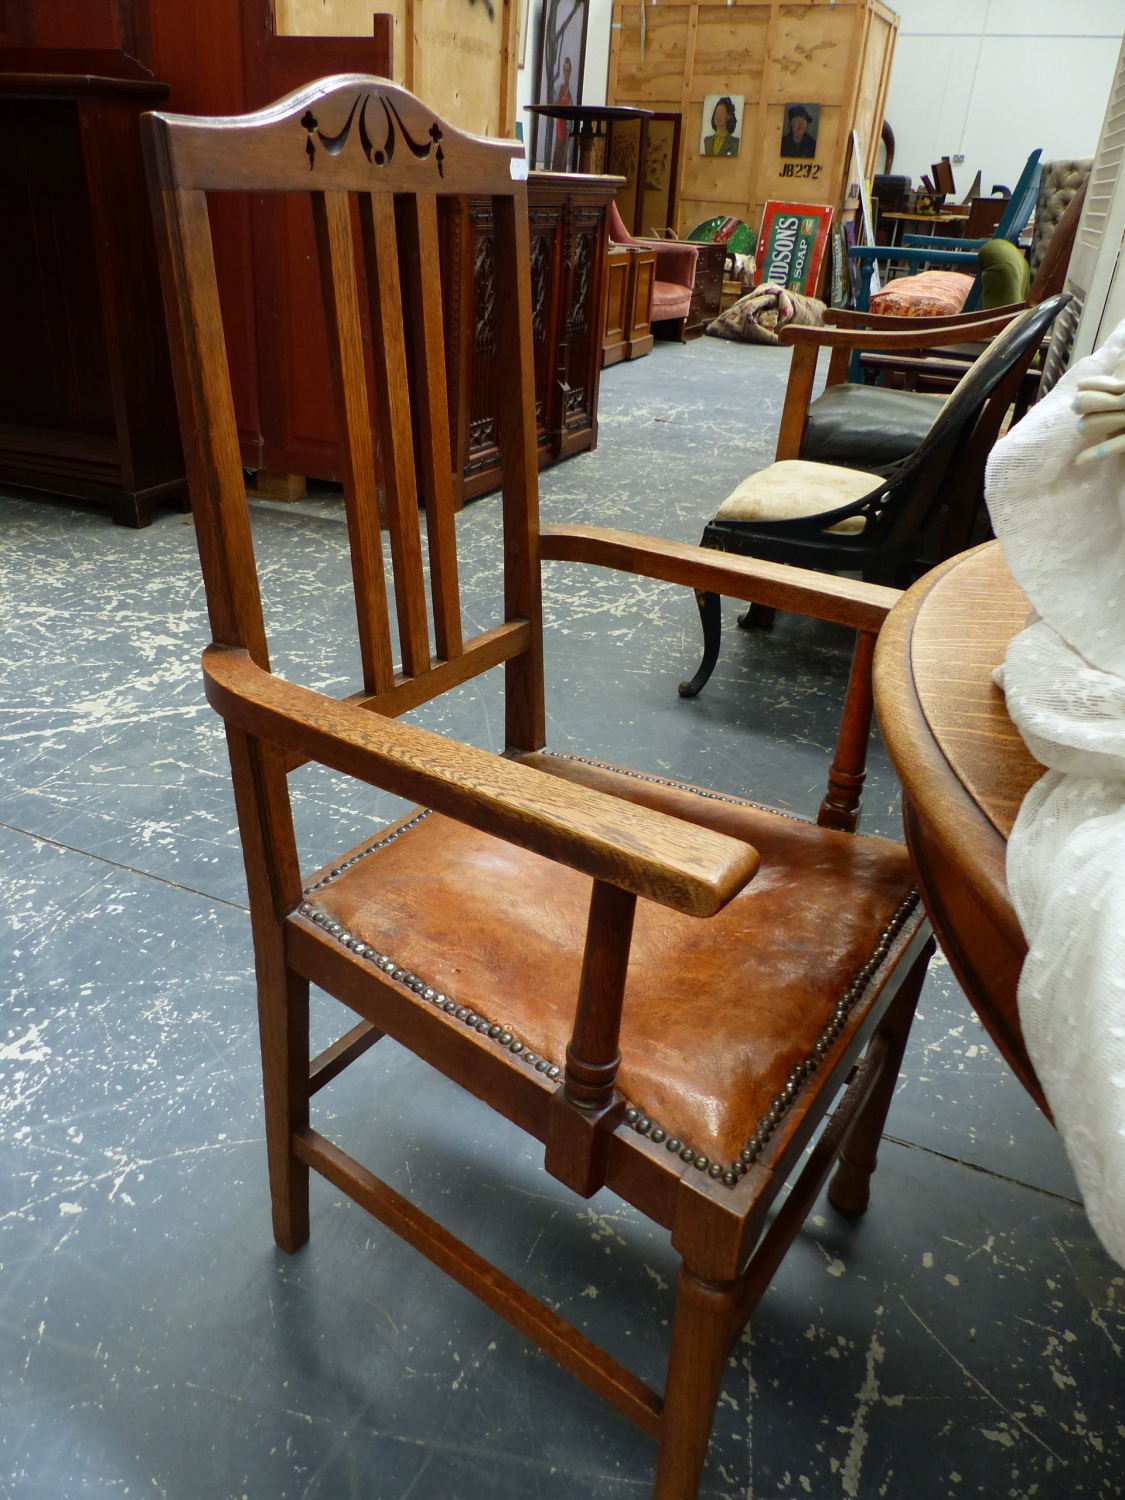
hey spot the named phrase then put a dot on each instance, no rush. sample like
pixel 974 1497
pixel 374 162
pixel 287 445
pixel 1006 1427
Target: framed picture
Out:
pixel 721 133
pixel 562 57
pixel 791 245
pixel 802 122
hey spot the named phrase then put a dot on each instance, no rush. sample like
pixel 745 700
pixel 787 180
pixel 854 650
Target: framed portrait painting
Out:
pixel 562 57
pixel 802 122
pixel 721 133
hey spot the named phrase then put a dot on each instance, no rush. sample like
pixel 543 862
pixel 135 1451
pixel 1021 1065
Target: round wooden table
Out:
pixel 964 771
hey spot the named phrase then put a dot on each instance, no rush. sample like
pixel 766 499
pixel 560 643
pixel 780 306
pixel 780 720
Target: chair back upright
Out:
pixel 375 164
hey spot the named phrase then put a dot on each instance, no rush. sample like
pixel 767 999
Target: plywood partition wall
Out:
pixel 460 56
pixel 836 53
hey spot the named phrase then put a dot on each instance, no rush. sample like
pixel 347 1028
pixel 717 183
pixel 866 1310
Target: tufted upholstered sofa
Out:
pixel 1057 186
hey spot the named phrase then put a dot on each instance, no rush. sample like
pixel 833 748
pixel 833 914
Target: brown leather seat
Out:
pixel 716 1013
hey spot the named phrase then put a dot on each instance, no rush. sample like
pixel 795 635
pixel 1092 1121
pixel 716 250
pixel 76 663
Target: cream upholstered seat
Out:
pixel 793 488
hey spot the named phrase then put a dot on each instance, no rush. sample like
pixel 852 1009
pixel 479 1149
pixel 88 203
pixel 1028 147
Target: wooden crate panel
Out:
pixel 659 74
pixel 834 53
pixel 874 77
pixel 730 50
pixel 813 52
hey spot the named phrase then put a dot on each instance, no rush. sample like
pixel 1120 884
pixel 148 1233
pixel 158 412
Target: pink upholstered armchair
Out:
pixel 675 272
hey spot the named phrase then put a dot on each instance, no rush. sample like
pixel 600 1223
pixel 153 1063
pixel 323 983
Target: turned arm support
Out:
pixel 692 870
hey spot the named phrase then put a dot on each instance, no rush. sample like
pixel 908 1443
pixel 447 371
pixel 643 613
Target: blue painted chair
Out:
pixel 930 252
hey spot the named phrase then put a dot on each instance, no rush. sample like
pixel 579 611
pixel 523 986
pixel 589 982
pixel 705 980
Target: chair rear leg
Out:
pixel 700 1335
pixel 758 617
pixel 711 618
pixel 283 1020
pixel 850 1188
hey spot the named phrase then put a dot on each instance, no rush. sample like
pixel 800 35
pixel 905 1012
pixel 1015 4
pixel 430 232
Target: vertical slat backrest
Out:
pixel 323 140
pixel 418 231
pixel 380 245
pixel 332 219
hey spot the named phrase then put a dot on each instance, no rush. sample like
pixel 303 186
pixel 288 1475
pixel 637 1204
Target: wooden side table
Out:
pixel 964 771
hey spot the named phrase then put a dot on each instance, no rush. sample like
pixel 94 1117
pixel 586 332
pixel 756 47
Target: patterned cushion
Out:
pixel 931 294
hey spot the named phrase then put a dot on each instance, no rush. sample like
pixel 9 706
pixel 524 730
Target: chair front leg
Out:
pixel 700 1333
pixel 711 619
pixel 283 1023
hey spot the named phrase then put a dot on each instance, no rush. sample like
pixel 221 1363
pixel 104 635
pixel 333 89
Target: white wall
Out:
pixel 993 79
pixel 597 58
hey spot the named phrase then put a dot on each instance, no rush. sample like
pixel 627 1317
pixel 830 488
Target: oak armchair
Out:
pixel 691 1089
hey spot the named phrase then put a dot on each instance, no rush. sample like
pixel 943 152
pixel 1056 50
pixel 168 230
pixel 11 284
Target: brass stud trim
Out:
pixel 503 1037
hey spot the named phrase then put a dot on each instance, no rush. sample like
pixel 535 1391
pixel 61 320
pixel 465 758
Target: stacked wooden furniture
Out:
pixel 836 53
pixel 568 243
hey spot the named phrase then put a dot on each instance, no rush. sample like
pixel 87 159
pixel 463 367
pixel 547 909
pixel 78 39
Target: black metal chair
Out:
pixel 880 534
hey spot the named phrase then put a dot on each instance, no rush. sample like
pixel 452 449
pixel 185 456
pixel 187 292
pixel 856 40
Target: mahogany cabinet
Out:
pixel 569 239
pixel 85 393
pixel 87 406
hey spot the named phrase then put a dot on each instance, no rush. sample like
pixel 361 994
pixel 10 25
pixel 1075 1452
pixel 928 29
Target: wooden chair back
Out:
pixel 374 162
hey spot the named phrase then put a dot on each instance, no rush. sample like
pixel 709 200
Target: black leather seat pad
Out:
pixel 867 426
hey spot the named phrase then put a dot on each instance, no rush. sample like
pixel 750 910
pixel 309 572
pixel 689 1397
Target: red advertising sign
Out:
pixel 791 245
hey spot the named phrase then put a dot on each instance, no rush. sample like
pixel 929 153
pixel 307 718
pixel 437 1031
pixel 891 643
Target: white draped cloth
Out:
pixel 1061 526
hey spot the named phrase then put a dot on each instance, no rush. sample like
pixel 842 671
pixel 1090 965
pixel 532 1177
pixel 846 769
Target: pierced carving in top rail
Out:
pixel 378 155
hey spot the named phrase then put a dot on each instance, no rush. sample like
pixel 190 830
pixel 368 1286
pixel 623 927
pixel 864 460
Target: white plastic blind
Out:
pixel 1096 276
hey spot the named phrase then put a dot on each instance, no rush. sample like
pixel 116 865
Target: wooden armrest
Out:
pixel 664 859
pixel 843 317
pixel 920 336
pixel 864 606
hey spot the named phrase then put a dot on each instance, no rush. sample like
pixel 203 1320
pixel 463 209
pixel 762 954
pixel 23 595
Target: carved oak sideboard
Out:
pixel 567 214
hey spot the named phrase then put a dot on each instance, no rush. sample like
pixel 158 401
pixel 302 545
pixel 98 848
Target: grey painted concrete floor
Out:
pixel 964 1338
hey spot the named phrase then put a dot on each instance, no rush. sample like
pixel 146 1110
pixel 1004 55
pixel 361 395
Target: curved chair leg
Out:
pixel 758 617
pixel 850 1189
pixel 711 618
